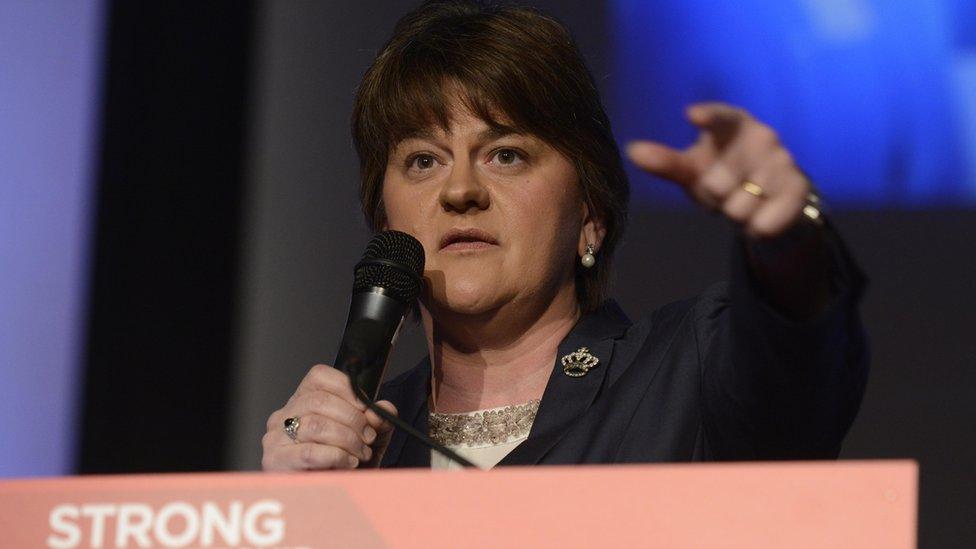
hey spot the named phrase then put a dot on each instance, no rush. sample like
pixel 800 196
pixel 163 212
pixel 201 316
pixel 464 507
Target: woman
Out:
pixel 481 133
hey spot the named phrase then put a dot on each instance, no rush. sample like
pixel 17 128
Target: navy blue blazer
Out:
pixel 717 378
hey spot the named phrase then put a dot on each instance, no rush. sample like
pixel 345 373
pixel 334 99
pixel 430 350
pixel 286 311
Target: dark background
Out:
pixel 228 225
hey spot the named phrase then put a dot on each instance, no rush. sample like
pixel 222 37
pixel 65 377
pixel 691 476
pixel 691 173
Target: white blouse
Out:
pixel 483 437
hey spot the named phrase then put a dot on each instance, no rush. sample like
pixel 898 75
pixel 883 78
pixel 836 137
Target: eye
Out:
pixel 507 157
pixel 421 162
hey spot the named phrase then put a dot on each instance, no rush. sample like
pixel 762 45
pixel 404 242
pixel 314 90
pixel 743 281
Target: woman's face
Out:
pixel 500 214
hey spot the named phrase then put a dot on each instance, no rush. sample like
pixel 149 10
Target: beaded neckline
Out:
pixel 484 427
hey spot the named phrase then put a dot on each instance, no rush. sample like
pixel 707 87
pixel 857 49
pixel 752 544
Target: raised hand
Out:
pixel 737 167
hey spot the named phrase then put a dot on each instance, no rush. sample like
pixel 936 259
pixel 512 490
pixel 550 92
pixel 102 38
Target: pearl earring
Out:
pixel 588 260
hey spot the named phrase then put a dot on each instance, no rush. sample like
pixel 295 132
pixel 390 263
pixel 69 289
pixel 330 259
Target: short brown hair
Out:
pixel 505 59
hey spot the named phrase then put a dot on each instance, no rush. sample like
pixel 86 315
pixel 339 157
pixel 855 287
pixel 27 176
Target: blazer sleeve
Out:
pixel 776 388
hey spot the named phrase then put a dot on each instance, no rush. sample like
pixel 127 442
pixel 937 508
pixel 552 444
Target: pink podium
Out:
pixel 851 504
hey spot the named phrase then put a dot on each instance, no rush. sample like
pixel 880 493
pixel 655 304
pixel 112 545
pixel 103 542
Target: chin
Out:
pixel 468 296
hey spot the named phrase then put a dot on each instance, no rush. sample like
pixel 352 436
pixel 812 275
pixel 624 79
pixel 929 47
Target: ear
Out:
pixel 592 231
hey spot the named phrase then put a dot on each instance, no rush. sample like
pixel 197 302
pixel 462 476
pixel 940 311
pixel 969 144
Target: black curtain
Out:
pixel 169 207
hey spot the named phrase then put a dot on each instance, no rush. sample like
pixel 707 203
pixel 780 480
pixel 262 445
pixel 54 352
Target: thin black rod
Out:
pixel 427 441
pixel 409 429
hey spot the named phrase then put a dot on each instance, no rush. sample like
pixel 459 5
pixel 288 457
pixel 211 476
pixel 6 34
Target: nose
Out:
pixel 463 191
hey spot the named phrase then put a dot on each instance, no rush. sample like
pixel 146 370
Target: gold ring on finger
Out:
pixel 291 428
pixel 753 189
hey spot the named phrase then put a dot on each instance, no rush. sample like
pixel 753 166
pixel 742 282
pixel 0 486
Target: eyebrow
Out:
pixel 497 132
pixel 424 133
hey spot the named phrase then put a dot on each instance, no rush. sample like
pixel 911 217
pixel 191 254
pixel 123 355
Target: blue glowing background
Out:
pixel 49 72
pixel 875 98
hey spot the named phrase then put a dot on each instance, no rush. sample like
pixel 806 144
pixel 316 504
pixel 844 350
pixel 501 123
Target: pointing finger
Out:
pixel 720 120
pixel 663 161
pixel 715 114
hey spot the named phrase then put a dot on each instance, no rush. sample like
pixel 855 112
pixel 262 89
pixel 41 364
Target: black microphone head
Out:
pixel 393 261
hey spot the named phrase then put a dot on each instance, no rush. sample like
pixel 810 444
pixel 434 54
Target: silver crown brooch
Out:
pixel 579 363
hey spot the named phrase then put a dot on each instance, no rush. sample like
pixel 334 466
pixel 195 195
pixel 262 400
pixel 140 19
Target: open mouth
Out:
pixel 467 239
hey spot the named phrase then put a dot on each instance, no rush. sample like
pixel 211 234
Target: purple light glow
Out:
pixel 50 72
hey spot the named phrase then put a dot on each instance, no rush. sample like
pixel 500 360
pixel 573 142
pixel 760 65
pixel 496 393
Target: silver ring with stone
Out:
pixel 291 428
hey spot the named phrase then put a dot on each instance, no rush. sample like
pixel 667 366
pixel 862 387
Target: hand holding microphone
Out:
pixel 335 429
pixel 326 424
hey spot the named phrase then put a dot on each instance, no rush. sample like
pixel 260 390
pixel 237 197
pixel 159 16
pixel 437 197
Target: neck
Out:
pixel 496 359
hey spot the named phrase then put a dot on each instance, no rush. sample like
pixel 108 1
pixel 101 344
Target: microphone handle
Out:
pixel 371 328
pixel 373 323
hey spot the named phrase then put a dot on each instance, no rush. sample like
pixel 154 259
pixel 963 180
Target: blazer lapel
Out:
pixel 565 397
pixel 410 398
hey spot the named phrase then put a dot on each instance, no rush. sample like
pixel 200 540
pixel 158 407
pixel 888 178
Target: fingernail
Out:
pixel 369 434
pixel 367 453
pixel 353 462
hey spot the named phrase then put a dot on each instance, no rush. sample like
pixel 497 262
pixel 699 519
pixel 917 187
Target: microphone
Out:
pixel 387 282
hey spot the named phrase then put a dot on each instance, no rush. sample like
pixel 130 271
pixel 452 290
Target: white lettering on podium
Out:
pixel 175 524
pixel 274 525
pixel 229 526
pixel 135 520
pixel 165 535
pixel 58 519
pixel 98 514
